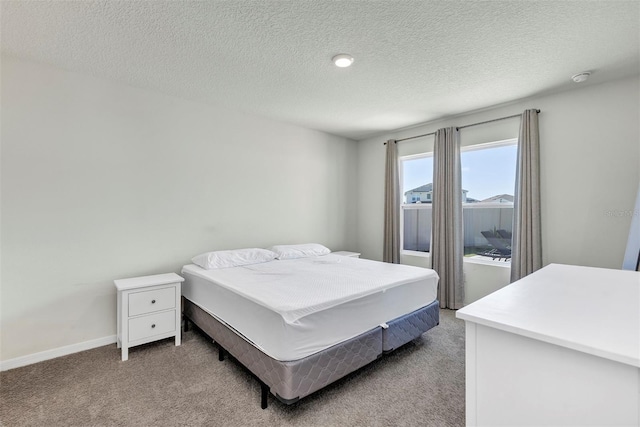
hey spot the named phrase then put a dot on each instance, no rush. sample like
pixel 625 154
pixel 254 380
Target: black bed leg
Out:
pixel 264 392
pixel 220 353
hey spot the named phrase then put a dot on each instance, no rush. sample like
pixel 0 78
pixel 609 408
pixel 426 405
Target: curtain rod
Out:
pixel 462 127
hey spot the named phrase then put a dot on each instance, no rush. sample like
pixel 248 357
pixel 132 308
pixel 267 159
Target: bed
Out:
pixel 300 324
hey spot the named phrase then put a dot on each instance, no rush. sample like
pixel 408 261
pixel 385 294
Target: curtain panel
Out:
pixel 526 245
pixel 391 252
pixel 447 245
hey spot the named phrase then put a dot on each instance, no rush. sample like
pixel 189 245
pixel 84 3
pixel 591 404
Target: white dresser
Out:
pixel 558 347
pixel 148 310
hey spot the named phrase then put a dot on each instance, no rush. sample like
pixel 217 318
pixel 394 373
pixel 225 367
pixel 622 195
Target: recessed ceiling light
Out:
pixel 580 77
pixel 343 60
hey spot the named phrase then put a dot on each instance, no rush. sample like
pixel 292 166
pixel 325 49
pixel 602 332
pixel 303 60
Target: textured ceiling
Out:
pixel 415 61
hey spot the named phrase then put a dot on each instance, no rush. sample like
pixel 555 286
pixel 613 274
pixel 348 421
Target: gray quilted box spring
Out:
pixel 410 326
pixel 291 380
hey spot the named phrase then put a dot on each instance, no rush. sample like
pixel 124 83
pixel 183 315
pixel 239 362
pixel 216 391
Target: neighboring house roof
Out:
pixel 422 189
pixel 507 197
pixel 426 188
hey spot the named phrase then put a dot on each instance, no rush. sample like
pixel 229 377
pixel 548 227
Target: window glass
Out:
pixel 417 174
pixel 488 182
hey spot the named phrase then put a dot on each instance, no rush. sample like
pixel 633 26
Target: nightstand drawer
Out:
pixel 153 324
pixel 151 301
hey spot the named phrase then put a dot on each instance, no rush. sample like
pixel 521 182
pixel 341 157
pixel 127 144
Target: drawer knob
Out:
pixel 153 301
pixel 153 326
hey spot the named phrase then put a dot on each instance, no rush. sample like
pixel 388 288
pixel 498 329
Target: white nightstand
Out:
pixel 347 253
pixel 148 310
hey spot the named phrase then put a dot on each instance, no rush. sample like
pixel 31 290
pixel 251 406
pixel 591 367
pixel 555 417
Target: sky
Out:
pixel 485 173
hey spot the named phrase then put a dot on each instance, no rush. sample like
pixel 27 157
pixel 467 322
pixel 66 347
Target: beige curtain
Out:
pixel 391 206
pixel 526 245
pixel 447 247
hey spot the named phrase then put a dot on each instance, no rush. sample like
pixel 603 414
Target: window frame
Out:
pixel 485 146
pixel 403 205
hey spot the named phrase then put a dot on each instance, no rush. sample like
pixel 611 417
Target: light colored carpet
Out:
pixel 420 384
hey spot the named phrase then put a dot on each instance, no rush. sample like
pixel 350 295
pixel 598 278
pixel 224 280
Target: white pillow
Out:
pixel 299 251
pixel 233 258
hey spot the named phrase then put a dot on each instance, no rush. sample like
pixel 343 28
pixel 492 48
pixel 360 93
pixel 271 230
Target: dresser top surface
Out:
pixel 593 310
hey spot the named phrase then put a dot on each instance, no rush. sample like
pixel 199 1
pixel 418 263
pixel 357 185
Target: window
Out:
pixel 488 183
pixel 416 180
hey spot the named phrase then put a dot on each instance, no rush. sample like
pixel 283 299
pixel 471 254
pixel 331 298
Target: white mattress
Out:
pixel 291 309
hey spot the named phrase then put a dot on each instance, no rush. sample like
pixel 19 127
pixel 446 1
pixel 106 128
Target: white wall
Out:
pixel 102 181
pixel 590 161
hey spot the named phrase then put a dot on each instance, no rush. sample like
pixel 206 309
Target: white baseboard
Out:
pixel 29 359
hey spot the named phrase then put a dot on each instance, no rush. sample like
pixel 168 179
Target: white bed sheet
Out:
pixel 291 309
